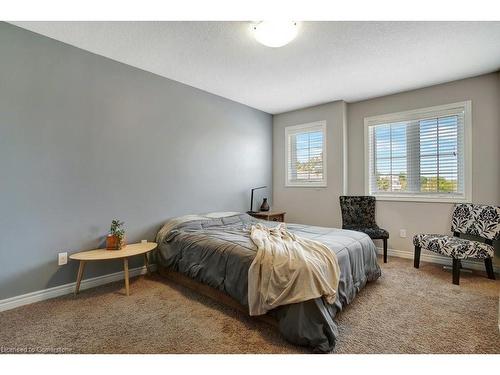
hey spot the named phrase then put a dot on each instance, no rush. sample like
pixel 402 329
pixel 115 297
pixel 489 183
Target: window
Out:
pixel 421 155
pixel 306 155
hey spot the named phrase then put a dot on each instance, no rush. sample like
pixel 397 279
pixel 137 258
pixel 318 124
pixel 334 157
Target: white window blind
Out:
pixel 419 153
pixel 306 154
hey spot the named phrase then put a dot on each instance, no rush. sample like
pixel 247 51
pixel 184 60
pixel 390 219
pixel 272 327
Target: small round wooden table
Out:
pixel 103 254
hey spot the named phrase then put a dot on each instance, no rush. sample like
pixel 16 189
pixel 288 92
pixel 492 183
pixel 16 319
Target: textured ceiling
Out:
pixel 327 61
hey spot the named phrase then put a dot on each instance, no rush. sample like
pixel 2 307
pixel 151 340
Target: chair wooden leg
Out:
pixel 125 268
pixel 456 271
pixel 416 258
pixel 81 267
pixel 489 268
pixel 146 264
pixel 385 250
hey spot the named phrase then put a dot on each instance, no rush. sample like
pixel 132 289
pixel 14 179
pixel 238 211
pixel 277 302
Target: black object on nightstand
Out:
pixel 251 199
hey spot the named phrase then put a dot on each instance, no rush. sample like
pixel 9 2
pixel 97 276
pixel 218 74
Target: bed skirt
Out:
pixel 212 293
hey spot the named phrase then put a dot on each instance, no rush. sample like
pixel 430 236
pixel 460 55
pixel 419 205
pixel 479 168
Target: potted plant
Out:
pixel 116 237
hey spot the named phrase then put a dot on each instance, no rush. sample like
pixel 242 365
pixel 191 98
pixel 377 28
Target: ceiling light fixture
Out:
pixel 275 33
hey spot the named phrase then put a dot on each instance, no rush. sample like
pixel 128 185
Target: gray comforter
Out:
pixel 218 252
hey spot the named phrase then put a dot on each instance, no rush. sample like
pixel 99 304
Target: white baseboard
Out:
pixel 41 295
pixel 60 290
pixel 438 259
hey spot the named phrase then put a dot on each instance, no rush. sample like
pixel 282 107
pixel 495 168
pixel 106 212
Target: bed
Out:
pixel 215 251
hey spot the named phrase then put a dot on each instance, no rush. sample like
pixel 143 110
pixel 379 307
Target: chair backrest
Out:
pixel 477 220
pixel 358 211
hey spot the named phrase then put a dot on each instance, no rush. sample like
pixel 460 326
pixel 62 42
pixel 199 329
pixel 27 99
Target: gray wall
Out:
pixel 311 205
pixel 84 139
pixel 415 217
pixel 320 206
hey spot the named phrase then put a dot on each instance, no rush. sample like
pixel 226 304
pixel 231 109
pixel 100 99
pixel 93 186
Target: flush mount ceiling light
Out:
pixel 275 33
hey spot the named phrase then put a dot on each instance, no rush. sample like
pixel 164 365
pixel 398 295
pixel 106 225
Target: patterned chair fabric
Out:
pixel 477 220
pixel 375 233
pixel 471 219
pixel 454 247
pixel 358 213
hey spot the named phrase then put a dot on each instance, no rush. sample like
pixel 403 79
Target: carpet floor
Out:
pixel 405 311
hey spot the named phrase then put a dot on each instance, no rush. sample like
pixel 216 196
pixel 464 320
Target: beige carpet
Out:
pixel 405 311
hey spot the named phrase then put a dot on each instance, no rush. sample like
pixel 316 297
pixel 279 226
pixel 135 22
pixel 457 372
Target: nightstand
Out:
pixel 269 215
pixel 103 254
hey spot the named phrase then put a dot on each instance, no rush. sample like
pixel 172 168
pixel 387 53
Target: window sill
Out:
pixel 305 186
pixel 398 198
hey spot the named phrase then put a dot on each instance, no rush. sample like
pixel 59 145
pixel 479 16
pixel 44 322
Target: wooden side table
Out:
pixel 103 254
pixel 269 215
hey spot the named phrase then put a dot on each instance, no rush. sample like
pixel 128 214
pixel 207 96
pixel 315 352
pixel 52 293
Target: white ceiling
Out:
pixel 327 61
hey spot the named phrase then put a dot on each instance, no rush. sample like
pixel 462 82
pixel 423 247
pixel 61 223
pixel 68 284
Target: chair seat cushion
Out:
pixel 454 247
pixel 374 232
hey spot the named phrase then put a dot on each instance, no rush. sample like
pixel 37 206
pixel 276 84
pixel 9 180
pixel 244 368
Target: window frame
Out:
pixel 466 197
pixel 294 129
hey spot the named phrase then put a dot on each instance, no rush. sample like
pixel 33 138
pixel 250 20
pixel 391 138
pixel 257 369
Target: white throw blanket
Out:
pixel 289 269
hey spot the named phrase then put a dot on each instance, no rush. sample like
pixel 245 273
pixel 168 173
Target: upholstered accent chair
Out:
pixel 469 219
pixel 358 213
